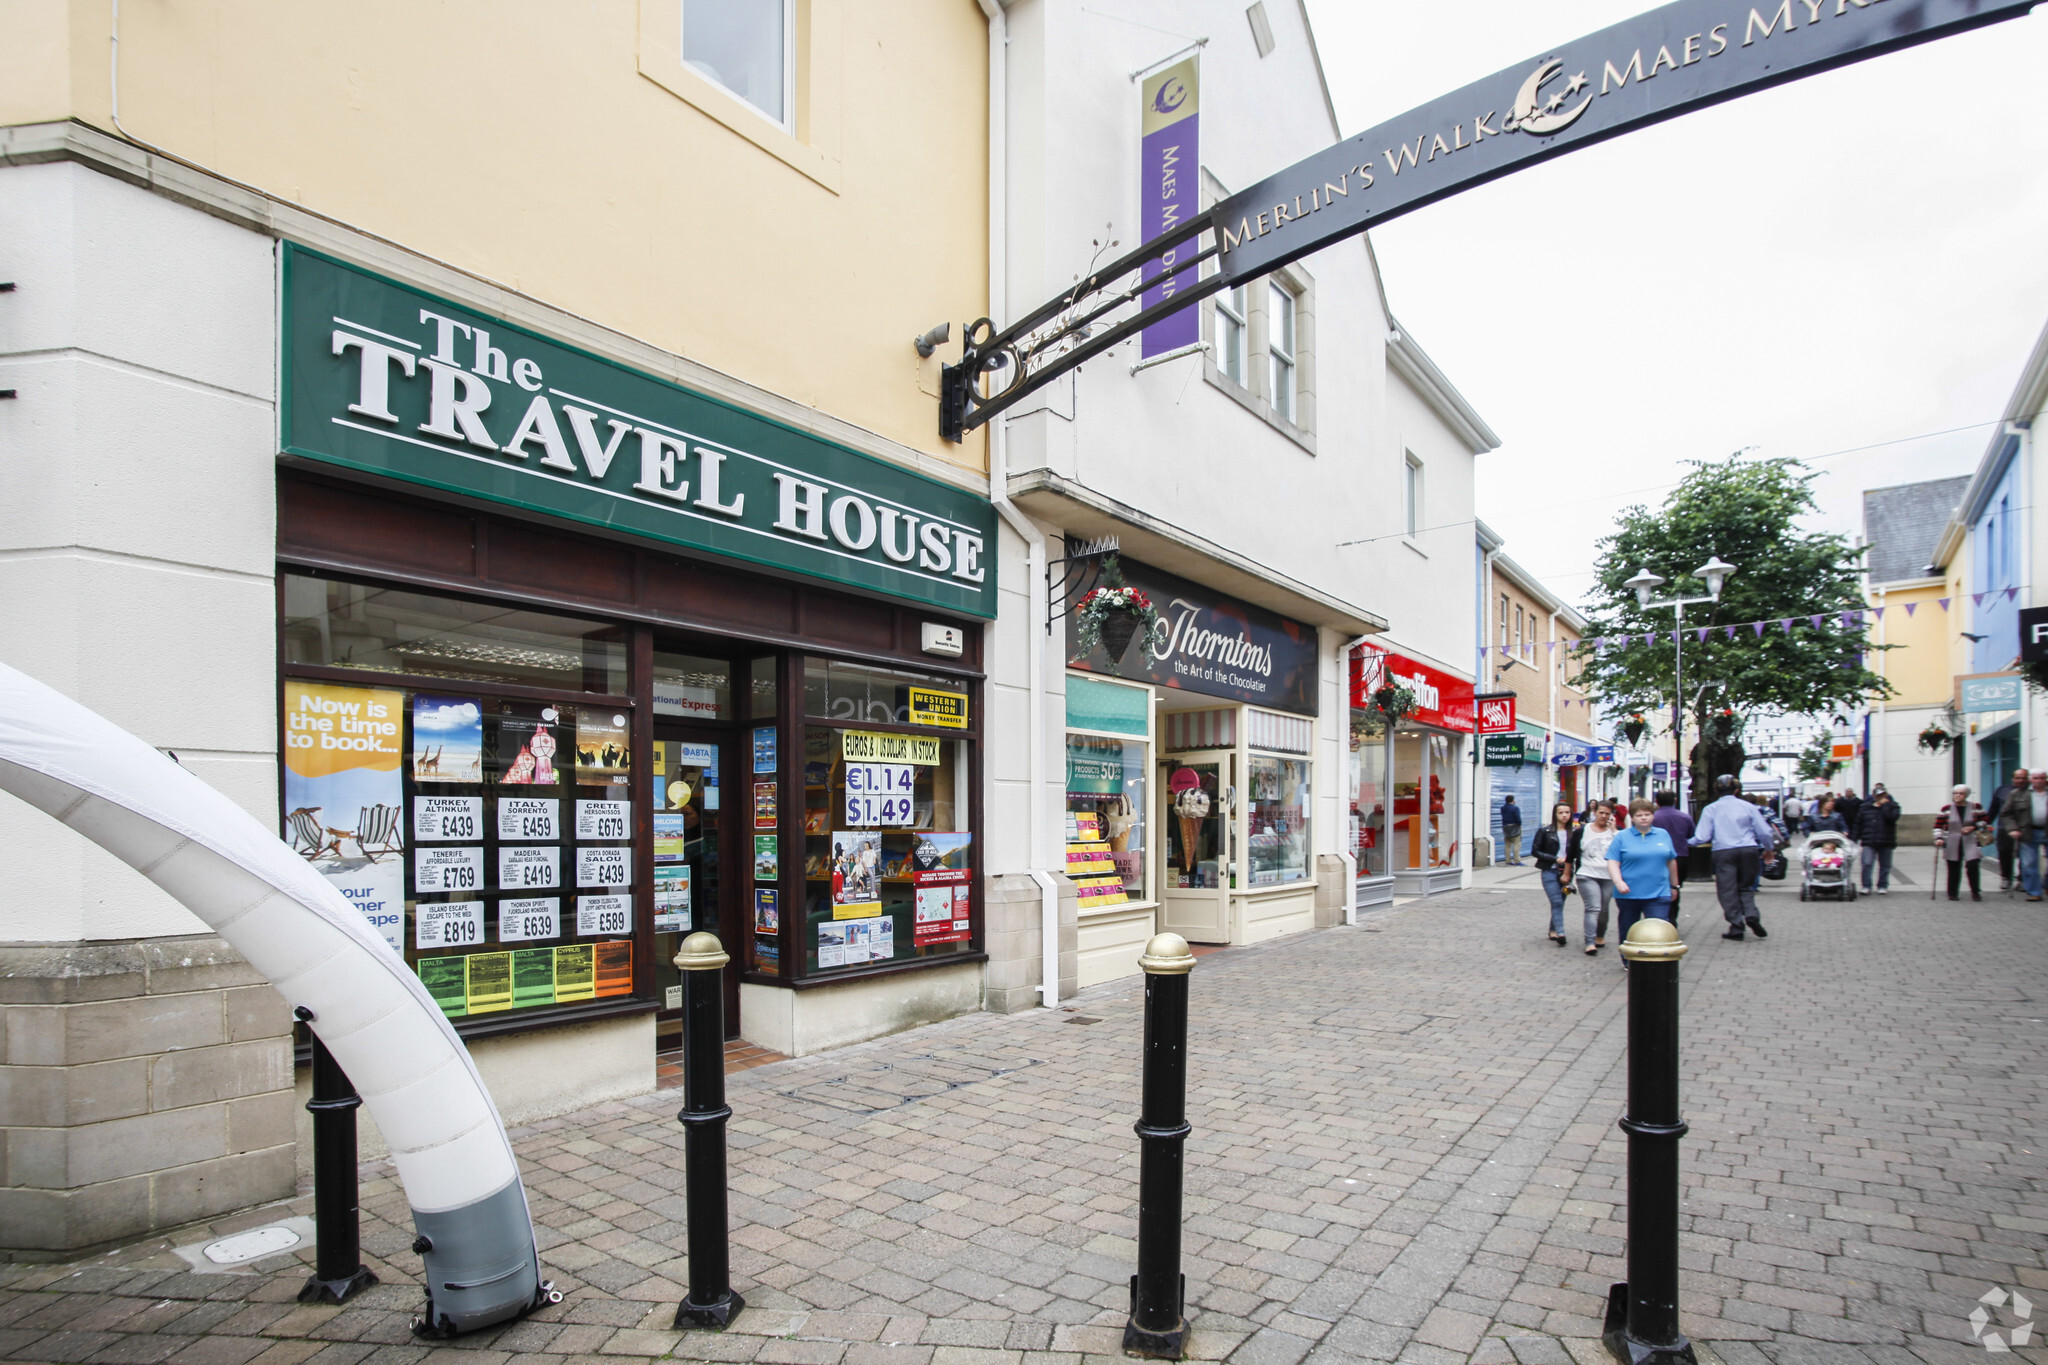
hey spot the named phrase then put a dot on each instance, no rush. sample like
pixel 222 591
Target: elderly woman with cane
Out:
pixel 1956 839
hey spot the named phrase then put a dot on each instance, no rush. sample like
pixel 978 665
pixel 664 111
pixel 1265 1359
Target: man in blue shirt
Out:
pixel 1739 834
pixel 1643 863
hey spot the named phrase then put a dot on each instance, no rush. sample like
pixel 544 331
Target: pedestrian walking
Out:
pixel 1956 829
pixel 2007 833
pixel 1877 832
pixel 2026 812
pixel 1825 817
pixel 1849 805
pixel 1677 826
pixel 1794 810
pixel 1511 830
pixel 1642 863
pixel 1738 834
pixel 1551 849
pixel 1596 885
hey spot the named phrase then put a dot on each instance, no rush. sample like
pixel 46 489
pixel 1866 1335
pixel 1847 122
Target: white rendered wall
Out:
pixel 137 534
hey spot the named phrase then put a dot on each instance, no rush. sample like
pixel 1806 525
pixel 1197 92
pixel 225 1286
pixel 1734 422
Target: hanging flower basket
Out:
pixel 1635 727
pixel 1393 702
pixel 1934 739
pixel 1112 615
pixel 1724 726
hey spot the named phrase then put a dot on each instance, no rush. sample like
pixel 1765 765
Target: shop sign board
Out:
pixel 386 379
pixel 1994 692
pixel 1508 751
pixel 1213 645
pixel 2033 634
pixel 1442 700
pixel 1494 712
pixel 928 706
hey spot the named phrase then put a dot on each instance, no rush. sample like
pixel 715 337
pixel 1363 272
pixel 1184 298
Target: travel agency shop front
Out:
pixel 576 660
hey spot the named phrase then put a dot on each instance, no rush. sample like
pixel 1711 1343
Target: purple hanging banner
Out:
pixel 1170 192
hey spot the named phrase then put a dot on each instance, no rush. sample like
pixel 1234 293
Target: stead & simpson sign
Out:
pixel 383 378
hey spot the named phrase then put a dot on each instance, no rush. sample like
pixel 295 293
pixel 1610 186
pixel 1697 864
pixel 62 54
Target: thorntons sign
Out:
pixel 384 378
pixel 1658 65
pixel 1213 645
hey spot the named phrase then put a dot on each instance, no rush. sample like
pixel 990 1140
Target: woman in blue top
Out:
pixel 1644 867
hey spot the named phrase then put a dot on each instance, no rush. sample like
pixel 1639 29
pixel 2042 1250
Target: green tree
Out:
pixel 1748 513
pixel 1817 759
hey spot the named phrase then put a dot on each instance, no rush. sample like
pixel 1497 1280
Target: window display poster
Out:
pixel 447 869
pixel 490 982
pixel 447 819
pixel 670 837
pixel 448 924
pixel 767 857
pixel 764 750
pixel 870 940
pixel 526 919
pixel 447 739
pixel 529 867
pixel 575 972
pixel 767 912
pixel 603 915
pixel 880 793
pixel 533 977
pixel 856 873
pixel 447 980
pixel 764 805
pixel 529 817
pixel 939 848
pixel 527 745
pixel 603 819
pixel 601 745
pixel 605 865
pixel 943 912
pixel 344 795
pixel 832 943
pixel 672 899
pixel 613 968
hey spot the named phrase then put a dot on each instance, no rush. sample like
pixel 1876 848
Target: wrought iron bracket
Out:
pixel 1079 570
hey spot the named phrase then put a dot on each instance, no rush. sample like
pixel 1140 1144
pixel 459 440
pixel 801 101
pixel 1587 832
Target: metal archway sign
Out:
pixel 1671 61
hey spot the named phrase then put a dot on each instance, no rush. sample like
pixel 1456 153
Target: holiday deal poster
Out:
pixel 447 739
pixel 344 795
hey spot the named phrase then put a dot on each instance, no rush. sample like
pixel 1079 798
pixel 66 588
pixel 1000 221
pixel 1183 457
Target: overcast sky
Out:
pixel 1855 258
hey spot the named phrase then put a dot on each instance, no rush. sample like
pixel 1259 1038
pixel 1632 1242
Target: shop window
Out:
pixel 1368 775
pixel 1106 807
pixel 889 856
pixel 1278 805
pixel 1280 348
pixel 1411 508
pixel 331 623
pixel 765 691
pixel 749 48
pixel 1198 854
pixel 690 688
pixel 855 694
pixel 1230 334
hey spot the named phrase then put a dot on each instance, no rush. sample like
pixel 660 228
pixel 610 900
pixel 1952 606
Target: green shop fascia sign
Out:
pixel 386 379
pixel 1508 751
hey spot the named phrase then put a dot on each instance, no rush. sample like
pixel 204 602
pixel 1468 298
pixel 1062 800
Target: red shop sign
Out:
pixel 1441 699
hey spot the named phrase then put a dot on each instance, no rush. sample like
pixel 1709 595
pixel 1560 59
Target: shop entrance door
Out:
pixel 691 835
pixel 1200 792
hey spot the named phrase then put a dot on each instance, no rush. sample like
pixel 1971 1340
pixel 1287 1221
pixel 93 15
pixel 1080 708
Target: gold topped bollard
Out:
pixel 1642 1312
pixel 710 1301
pixel 1158 1325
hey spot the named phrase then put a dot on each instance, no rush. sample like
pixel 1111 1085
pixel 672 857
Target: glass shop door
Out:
pixel 1199 794
pixel 691 833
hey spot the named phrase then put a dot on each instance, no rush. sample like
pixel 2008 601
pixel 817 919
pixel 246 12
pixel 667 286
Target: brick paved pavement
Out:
pixel 1404 1149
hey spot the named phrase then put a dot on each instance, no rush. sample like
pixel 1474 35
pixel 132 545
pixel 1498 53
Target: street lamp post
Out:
pixel 1715 573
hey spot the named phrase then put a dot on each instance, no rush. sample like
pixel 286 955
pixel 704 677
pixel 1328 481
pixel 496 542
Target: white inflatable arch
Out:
pixel 415 1076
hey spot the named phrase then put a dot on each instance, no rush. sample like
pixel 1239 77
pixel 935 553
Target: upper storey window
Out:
pixel 748 47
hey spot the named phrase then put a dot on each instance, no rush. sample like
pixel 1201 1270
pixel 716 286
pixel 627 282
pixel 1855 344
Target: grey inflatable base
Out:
pixel 469 1287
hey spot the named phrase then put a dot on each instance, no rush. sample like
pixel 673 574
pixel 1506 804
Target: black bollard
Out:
pixel 1642 1312
pixel 711 1301
pixel 1158 1325
pixel 338 1269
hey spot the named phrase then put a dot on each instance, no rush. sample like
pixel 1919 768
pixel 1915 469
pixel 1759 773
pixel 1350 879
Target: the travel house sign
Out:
pixel 386 379
pixel 1656 66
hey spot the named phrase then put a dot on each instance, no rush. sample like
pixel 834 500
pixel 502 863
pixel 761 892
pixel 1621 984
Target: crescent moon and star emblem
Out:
pixel 1172 95
pixel 1534 114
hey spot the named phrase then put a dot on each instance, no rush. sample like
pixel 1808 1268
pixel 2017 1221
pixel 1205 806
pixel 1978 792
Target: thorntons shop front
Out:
pixel 575 660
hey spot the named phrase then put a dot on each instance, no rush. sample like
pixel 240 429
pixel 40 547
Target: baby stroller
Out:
pixel 1829 860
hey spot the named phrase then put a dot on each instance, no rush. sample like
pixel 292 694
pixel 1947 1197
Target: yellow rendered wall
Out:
pixel 519 140
pixel 1920 667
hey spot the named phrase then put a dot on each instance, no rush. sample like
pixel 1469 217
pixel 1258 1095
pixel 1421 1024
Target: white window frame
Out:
pixel 1283 373
pixel 787 123
pixel 1411 499
pixel 1233 333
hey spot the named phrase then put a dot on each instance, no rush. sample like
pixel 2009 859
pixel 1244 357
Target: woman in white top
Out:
pixel 1589 862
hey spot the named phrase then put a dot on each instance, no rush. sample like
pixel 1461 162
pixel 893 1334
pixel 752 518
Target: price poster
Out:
pixel 603 819
pixel 447 739
pixel 604 866
pixel 490 982
pixel 526 919
pixel 448 924
pixel 533 977
pixel 671 839
pixel 528 747
pixel 529 817
pixel 601 745
pixel 447 819
pixel 613 967
pixel 767 912
pixel 575 972
pixel 604 915
pixel 672 899
pixel 767 857
pixel 856 874
pixel 880 793
pixel 764 750
pixel 343 790
pixel 447 869
pixel 447 980
pixel 943 912
pixel 529 868
pixel 764 805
